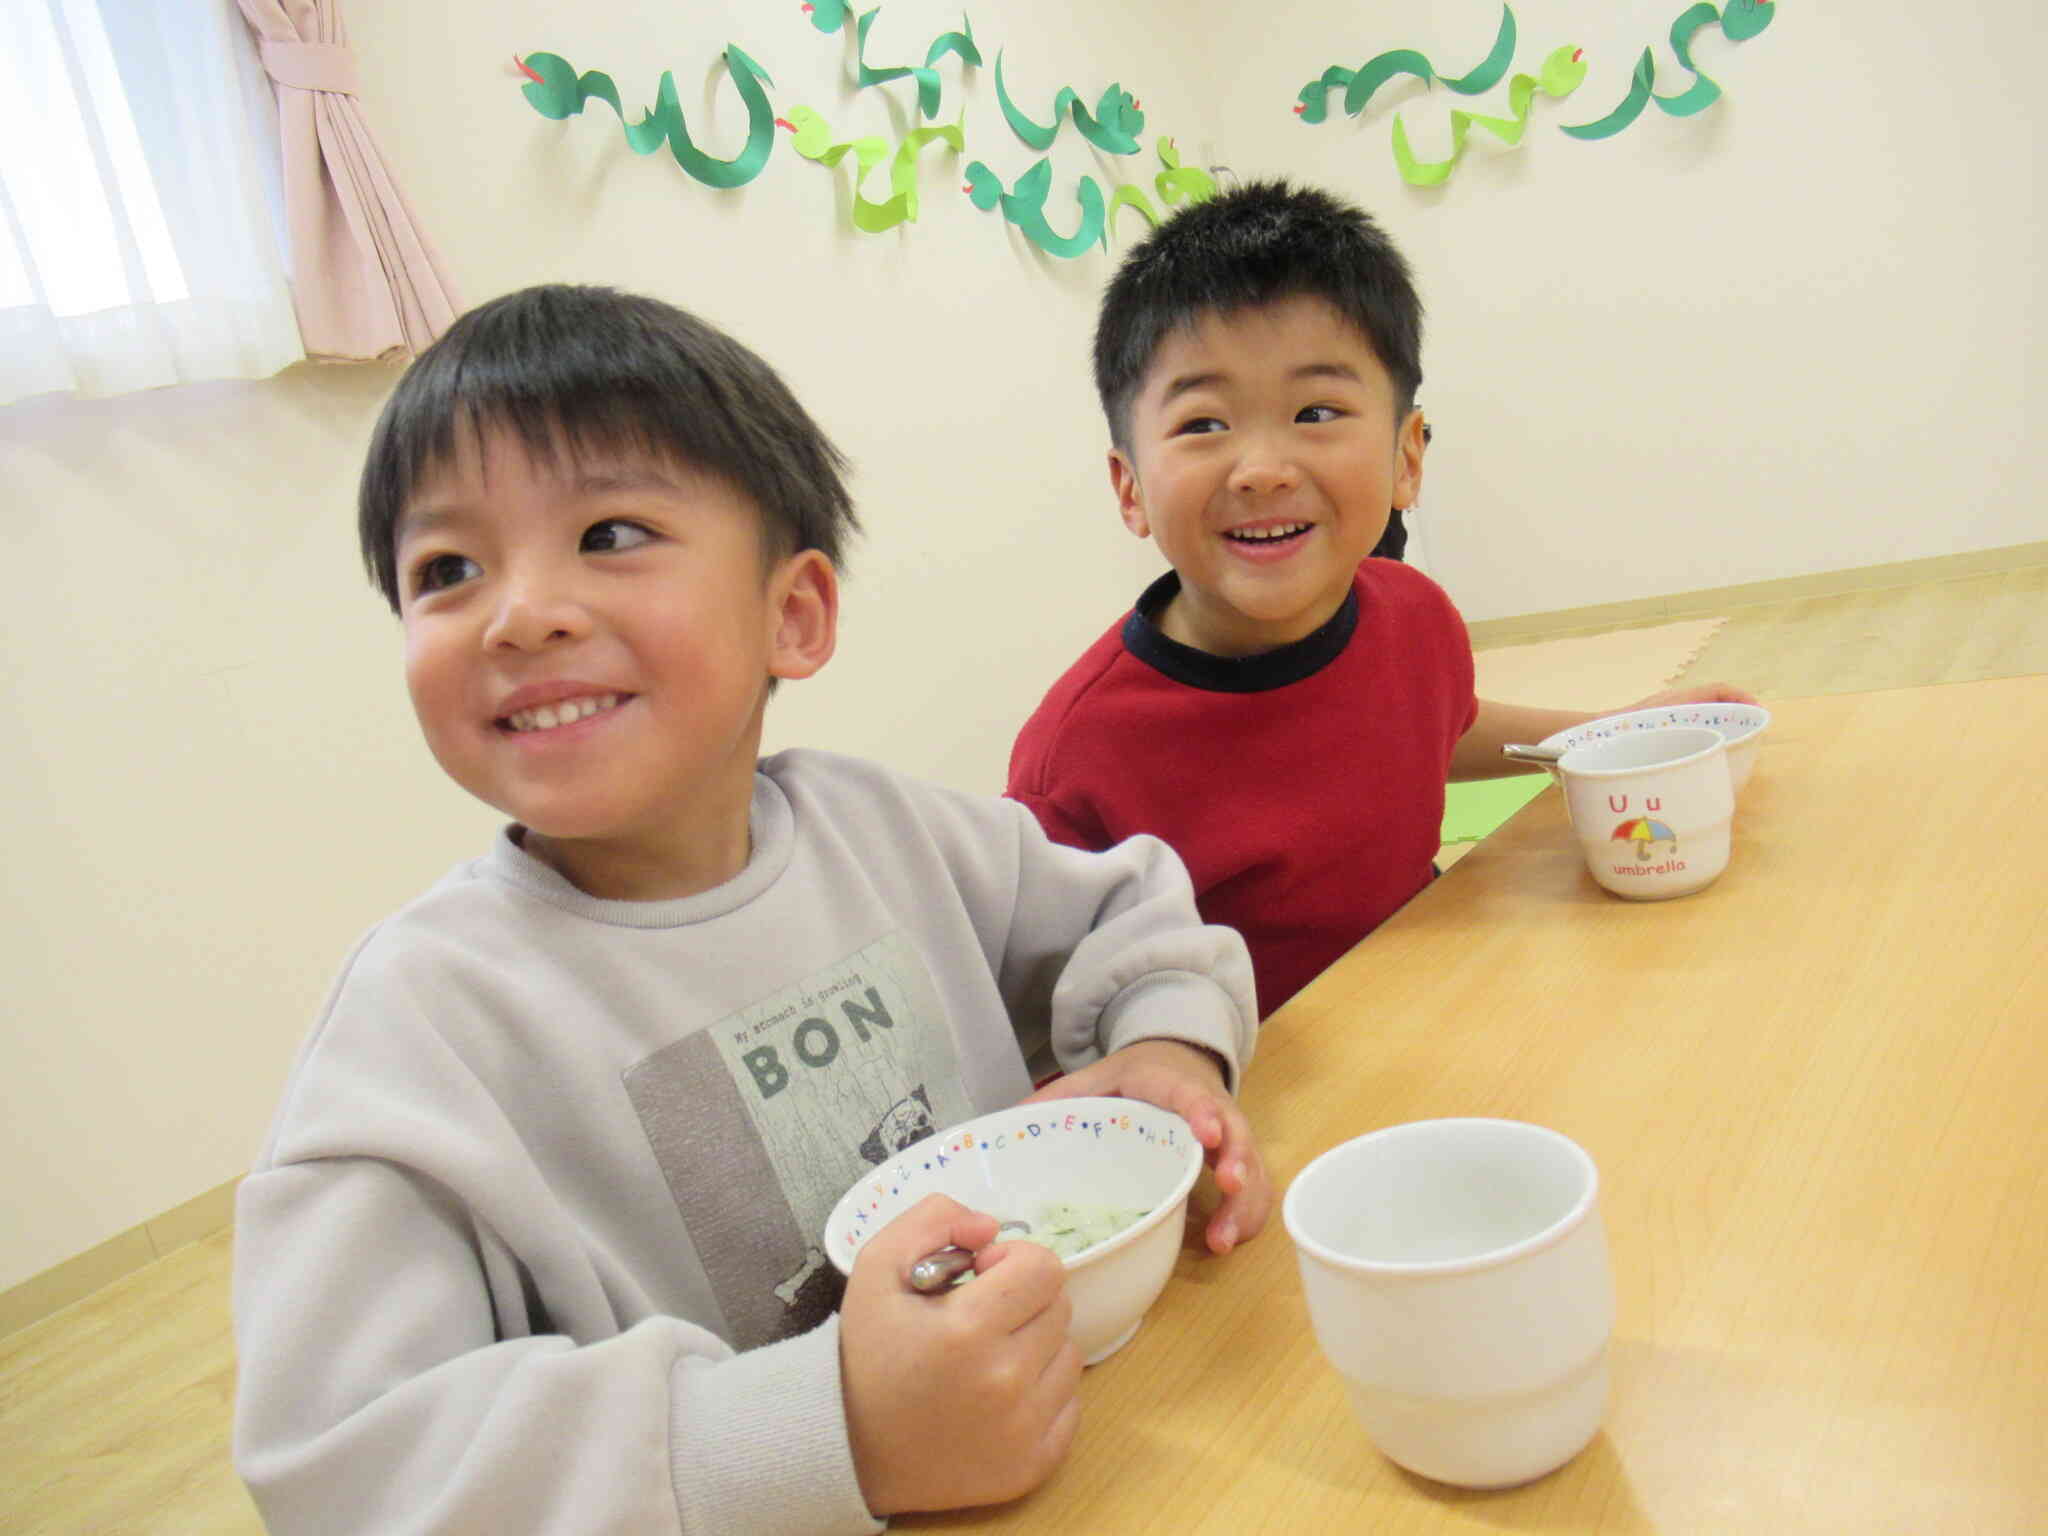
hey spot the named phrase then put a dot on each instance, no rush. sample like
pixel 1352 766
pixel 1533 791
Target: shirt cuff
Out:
pixel 759 1442
pixel 1183 1006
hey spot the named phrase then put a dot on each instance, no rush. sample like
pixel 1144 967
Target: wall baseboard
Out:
pixel 1716 601
pixel 56 1288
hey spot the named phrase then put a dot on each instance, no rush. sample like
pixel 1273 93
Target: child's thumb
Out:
pixel 935 1222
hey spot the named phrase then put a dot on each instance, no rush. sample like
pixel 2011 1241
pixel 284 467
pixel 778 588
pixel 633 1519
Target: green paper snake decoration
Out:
pixel 1359 84
pixel 1741 20
pixel 1113 127
pixel 1024 204
pixel 1561 74
pixel 830 15
pixel 557 91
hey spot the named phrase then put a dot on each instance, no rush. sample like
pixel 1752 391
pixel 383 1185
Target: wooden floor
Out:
pixel 114 1413
pixel 1898 637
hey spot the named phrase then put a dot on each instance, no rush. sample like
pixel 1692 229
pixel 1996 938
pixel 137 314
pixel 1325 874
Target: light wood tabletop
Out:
pixel 1817 1092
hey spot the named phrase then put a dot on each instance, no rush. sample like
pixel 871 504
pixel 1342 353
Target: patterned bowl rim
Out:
pixel 1028 1124
pixel 1742 724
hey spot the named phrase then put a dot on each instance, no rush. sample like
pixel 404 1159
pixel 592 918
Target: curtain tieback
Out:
pixel 312 66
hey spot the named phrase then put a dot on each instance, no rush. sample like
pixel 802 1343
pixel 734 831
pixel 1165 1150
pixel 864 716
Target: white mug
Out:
pixel 1653 810
pixel 1458 1281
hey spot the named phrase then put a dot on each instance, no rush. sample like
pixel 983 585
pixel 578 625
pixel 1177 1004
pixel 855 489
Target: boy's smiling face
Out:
pixel 588 644
pixel 1264 459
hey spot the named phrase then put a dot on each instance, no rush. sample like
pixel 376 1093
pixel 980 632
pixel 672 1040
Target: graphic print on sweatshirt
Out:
pixel 763 1120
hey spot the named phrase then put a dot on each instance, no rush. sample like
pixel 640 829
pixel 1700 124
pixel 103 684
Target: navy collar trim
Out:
pixel 1232 674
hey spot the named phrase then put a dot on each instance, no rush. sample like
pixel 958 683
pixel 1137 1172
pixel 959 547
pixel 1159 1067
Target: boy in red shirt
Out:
pixel 1281 709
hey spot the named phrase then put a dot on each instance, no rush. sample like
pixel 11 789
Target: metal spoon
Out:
pixel 939 1269
pixel 1527 754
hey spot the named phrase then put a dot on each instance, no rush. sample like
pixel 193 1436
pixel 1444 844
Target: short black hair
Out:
pixel 1245 248
pixel 593 368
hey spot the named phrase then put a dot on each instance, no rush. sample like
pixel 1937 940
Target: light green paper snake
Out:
pixel 1562 73
pixel 813 140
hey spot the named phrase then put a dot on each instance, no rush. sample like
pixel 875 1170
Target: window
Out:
pixel 140 240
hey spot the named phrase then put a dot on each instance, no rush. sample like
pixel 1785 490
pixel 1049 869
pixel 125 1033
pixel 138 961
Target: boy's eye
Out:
pixel 1198 424
pixel 440 571
pixel 614 533
pixel 1317 413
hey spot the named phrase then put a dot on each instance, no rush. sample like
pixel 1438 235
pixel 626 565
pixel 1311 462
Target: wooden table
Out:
pixel 1817 1092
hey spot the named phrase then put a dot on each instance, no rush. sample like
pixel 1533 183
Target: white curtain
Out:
pixel 141 235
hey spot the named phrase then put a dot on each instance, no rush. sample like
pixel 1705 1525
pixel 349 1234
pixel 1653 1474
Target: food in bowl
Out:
pixel 1071 1230
pixel 1068 1230
pixel 1100 1155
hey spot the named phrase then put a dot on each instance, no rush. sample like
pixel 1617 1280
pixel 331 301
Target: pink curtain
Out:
pixel 365 281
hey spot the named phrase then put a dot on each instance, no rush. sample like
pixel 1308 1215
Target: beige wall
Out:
pixel 1785 337
pixel 1790 334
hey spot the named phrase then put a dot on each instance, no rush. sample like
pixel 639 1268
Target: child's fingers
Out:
pixel 936 1221
pixel 1711 693
pixel 1016 1284
pixel 1047 1408
pixel 1045 1343
pixel 1241 1179
pixel 1726 693
pixel 1056 1089
pixel 1084 1082
pixel 1059 1434
pixel 1241 1216
pixel 1193 1100
pixel 1199 1109
pixel 1056 1393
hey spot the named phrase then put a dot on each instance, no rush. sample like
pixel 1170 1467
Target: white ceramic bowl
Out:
pixel 1743 724
pixel 1114 1153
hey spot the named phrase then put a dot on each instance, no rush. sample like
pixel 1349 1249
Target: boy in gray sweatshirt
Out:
pixel 535 1241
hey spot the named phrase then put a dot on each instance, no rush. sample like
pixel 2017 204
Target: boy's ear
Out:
pixel 1130 496
pixel 1409 444
pixel 804 598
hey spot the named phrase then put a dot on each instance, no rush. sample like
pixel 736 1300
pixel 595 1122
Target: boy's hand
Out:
pixel 970 1396
pixel 1710 693
pixel 1189 1081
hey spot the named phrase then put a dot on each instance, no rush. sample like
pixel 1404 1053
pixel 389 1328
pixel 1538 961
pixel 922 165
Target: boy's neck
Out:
pixel 702 848
pixel 637 872
pixel 1229 635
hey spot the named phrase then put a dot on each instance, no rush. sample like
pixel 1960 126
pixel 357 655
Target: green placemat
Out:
pixel 1476 807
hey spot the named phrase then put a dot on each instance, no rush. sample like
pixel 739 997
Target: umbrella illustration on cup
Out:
pixel 1643 832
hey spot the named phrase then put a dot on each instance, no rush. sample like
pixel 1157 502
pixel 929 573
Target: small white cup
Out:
pixel 1653 810
pixel 1458 1280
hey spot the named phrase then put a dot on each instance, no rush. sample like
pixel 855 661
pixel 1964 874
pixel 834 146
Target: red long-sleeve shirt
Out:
pixel 1303 788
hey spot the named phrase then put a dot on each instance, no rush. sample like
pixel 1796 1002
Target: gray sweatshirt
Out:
pixel 534 1244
